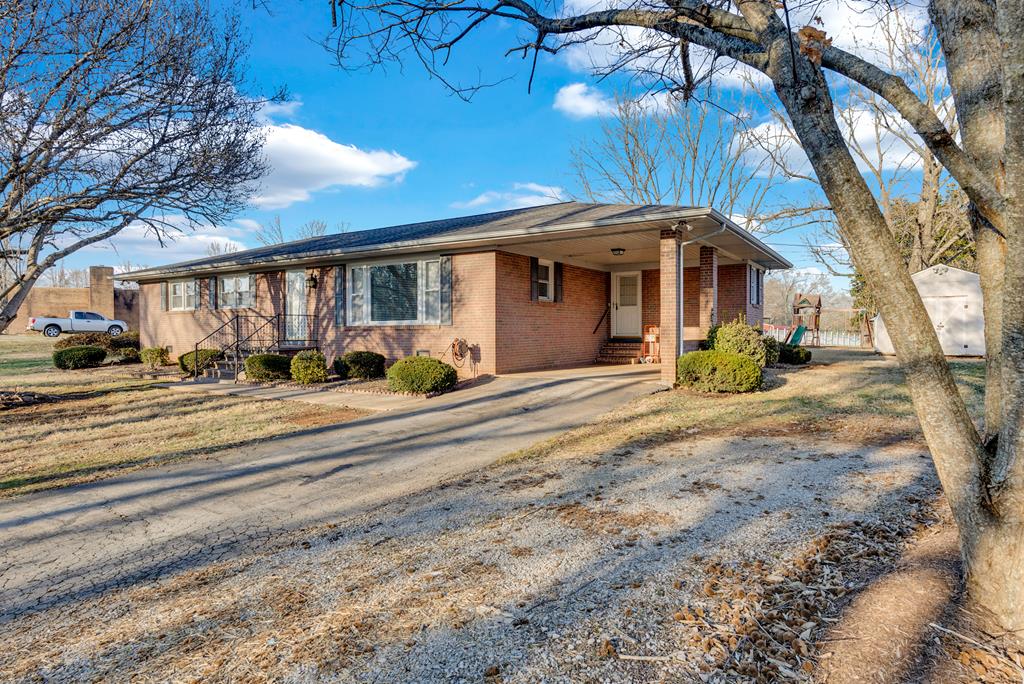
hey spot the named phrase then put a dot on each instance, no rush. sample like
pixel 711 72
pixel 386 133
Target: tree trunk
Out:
pixel 992 550
pixel 18 293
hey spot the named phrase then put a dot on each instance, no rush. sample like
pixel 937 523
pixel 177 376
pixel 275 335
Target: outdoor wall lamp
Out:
pixel 311 282
pixel 618 251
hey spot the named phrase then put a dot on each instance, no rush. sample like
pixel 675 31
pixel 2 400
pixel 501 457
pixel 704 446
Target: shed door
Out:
pixel 947 314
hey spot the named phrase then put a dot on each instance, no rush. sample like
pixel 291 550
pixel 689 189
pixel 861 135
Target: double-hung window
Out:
pixel 756 280
pixel 400 293
pixel 182 295
pixel 545 276
pixel 235 291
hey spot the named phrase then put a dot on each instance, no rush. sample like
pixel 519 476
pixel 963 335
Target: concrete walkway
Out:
pixel 65 545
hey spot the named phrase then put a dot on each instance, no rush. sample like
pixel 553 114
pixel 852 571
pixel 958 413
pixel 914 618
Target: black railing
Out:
pixel 243 335
pixel 601 320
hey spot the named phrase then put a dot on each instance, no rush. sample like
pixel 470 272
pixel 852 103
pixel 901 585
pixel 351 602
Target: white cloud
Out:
pixel 138 245
pixel 580 101
pixel 303 161
pixel 272 111
pixel 521 195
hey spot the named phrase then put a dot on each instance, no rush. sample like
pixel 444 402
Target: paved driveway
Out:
pixel 72 543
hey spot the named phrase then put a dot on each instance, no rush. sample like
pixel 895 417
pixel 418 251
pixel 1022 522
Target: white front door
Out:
pixel 626 304
pixel 295 328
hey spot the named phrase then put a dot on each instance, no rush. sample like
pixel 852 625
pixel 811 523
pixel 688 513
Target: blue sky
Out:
pixel 370 149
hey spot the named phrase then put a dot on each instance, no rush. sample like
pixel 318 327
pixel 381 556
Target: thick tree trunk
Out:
pixel 16 297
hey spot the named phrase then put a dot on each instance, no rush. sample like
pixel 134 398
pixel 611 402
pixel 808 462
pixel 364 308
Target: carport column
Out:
pixel 708 288
pixel 671 318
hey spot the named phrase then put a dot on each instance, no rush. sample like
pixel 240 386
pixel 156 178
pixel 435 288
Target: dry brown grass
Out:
pixel 849 396
pixel 115 422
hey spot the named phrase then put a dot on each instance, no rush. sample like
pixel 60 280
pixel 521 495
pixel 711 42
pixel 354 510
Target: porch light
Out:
pixel 618 251
pixel 311 282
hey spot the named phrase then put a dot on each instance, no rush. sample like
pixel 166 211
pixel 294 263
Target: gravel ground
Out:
pixel 553 569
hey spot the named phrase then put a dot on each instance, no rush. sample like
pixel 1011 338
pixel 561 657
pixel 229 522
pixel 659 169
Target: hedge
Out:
pixel 114 345
pixel 718 371
pixel 364 365
pixel 155 356
pixel 207 357
pixel 86 356
pixel 340 368
pixel 265 367
pixel 308 367
pixel 771 349
pixel 709 341
pixel 739 338
pixel 793 355
pixel 421 374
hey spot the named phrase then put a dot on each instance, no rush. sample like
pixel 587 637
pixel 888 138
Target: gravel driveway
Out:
pixel 66 545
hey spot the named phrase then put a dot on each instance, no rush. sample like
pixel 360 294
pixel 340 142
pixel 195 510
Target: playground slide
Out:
pixel 797 335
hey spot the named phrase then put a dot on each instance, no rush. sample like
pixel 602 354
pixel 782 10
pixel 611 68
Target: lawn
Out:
pixel 111 421
pixel 682 537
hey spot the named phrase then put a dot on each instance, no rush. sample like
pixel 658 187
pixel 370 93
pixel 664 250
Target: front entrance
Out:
pixel 295 319
pixel 626 318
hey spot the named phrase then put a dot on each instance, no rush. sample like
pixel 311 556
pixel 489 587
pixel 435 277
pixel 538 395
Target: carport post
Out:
pixel 671 315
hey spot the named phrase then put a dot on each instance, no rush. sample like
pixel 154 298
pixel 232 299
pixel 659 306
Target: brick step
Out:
pixel 619 352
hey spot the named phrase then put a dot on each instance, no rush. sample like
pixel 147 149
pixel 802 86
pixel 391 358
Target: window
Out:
pixel 182 295
pixel 235 291
pixel 756 280
pixel 397 293
pixel 545 274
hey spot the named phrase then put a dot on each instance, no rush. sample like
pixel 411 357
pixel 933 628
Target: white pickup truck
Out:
pixel 77 321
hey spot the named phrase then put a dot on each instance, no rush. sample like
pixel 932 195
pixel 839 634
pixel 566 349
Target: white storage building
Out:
pixel 953 299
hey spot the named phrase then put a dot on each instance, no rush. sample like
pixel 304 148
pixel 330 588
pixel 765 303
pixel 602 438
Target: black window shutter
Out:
pixel 558 281
pixel 163 296
pixel 534 286
pixel 195 294
pixel 339 295
pixel 211 283
pixel 446 290
pixel 252 291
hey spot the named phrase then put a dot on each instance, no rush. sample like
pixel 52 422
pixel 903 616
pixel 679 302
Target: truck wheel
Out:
pixel 52 330
pixel 115 330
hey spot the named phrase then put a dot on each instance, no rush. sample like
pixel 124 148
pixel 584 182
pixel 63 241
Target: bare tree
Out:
pixel 217 248
pixel 273 232
pixel 117 113
pixel 981 474
pixel 664 151
pixel 59 276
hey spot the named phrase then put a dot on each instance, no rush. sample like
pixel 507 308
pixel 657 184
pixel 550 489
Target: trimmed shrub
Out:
pixel 364 365
pixel 739 338
pixel 79 357
pixel 340 368
pixel 207 357
pixel 309 367
pixel 265 367
pixel 771 350
pixel 130 355
pixel 709 341
pixel 87 339
pixel 154 357
pixel 118 344
pixel 421 374
pixel 718 371
pixel 793 355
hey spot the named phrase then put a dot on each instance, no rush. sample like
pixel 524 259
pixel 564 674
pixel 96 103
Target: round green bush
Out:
pixel 130 355
pixel 364 365
pixel 266 367
pixel 309 367
pixel 739 338
pixel 119 343
pixel 772 348
pixel 422 375
pixel 718 371
pixel 155 357
pixel 79 357
pixel 207 357
pixel 88 339
pixel 340 368
pixel 793 355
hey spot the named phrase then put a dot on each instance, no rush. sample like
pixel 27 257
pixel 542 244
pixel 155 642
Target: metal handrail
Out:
pixel 607 308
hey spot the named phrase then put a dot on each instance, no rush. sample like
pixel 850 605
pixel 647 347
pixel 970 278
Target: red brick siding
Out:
pixel 733 295
pixel 651 297
pixel 533 334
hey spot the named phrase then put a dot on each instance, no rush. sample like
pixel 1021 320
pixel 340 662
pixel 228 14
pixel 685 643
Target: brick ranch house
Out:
pixel 541 287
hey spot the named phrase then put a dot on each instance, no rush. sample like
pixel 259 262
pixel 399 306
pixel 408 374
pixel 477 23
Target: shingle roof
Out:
pixel 526 220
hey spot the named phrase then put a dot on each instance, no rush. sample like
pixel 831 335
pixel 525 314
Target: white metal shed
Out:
pixel 952 297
